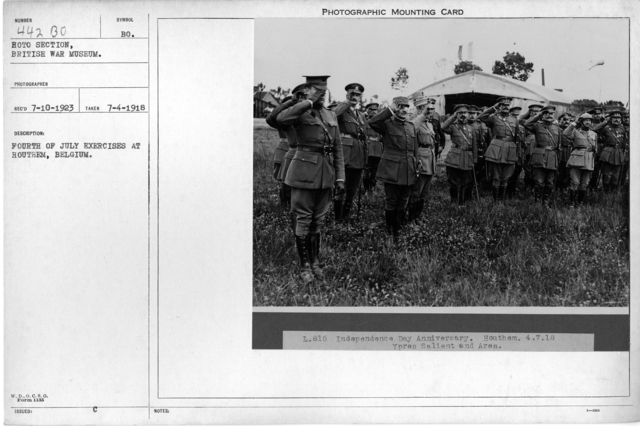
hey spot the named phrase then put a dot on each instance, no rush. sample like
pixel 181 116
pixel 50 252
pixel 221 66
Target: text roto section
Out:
pixel 390 341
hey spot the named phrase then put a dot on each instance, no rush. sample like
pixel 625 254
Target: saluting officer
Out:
pixel 502 154
pixel 625 166
pixel 544 157
pixel 481 133
pixel 462 155
pixel 598 118
pixel 316 167
pixel 582 158
pixel 612 155
pixel 528 140
pixel 374 143
pixel 426 137
pixel 512 183
pixel 436 122
pixel 352 124
pixel 398 166
pixel 299 92
pixel 564 152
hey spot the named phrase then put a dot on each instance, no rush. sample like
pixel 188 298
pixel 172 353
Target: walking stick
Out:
pixel 475 183
pixel 359 200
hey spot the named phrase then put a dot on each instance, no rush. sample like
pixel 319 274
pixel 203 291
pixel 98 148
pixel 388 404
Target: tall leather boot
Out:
pixel 494 193
pixel 390 219
pixel 546 195
pixel 305 266
pixel 313 248
pixel 537 193
pixel 462 192
pixel 572 198
pixel 453 192
pixel 294 221
pixel 510 189
pixel 283 195
pixel 419 208
pixel 411 211
pixel 581 195
pixel 366 183
pixel 399 222
pixel 337 210
pixel 346 211
pixel 501 191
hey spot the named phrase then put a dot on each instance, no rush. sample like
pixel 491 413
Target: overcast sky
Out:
pixel 370 51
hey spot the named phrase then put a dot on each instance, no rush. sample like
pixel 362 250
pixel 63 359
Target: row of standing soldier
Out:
pixel 331 153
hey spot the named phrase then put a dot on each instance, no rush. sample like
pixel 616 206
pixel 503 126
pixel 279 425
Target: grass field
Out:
pixel 515 253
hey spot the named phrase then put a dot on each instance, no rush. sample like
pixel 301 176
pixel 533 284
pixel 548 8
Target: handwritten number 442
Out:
pixel 55 31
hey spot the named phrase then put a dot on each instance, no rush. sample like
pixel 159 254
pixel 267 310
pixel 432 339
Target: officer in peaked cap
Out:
pixel 502 154
pixel 398 167
pixel 581 160
pixel 625 167
pixel 564 152
pixel 481 133
pixel 544 156
pixel 316 167
pixel 613 136
pixel 425 136
pixel 598 118
pixel 353 132
pixel 529 137
pixel 597 114
pixel 436 122
pixel 462 155
pixel 374 149
pixel 286 146
pixel 512 182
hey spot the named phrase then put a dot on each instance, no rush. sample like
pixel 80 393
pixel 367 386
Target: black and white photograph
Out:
pixel 441 162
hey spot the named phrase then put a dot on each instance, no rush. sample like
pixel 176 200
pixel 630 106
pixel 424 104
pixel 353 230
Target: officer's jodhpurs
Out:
pixel 309 206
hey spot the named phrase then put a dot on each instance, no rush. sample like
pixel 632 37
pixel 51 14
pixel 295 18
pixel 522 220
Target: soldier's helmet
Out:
pixel 585 116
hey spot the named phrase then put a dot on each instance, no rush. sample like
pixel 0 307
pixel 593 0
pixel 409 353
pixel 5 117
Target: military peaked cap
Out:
pixel 317 80
pixel 421 101
pixel 504 100
pixel 472 108
pixel 515 108
pixel 596 110
pixel 401 100
pixel 549 108
pixel 585 116
pixel 534 106
pixel 372 105
pixel 299 88
pixel 460 108
pixel 615 111
pixel 356 87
